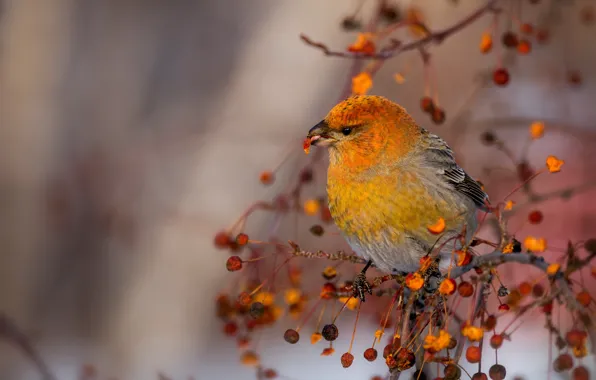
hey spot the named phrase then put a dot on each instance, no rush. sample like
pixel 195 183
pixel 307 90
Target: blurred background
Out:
pixel 131 131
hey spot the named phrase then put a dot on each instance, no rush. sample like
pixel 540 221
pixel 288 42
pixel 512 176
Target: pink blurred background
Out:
pixel 133 130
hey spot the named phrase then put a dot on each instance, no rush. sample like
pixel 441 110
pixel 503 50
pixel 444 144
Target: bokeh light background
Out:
pixel 131 131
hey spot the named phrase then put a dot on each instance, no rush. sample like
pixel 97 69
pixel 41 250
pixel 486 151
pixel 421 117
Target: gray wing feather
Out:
pixel 440 156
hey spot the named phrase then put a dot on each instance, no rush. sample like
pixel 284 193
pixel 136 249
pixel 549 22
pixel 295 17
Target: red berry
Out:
pixel 535 217
pixel 527 28
pixel 242 239
pixel 510 39
pixel 370 354
pixel 465 289
pixel 501 77
pixel 427 105
pixel 504 307
pixel 222 240
pixel 234 264
pixel 479 376
pixel 496 341
pixel 584 298
pixel 563 362
pixel 575 338
pixel 438 116
pixel 347 359
pixel 538 290
pixel 547 308
pixel 490 323
pixel 580 373
pixel 230 328
pixel 269 373
pixel 291 336
pixel 542 36
pixel 574 78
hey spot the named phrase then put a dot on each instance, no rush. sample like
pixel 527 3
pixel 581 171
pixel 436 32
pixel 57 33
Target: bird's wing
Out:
pixel 439 155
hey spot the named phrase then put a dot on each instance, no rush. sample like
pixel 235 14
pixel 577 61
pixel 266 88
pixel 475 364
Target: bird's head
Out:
pixel 362 130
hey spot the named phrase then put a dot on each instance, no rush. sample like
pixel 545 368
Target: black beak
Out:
pixel 318 132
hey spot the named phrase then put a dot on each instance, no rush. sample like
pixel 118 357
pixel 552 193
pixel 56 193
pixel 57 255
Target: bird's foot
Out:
pixel 360 286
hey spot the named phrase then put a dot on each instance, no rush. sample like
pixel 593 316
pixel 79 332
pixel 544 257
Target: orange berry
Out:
pixel 473 354
pixel 222 240
pixel 269 373
pixel 501 77
pixel 242 239
pixel 584 298
pixel 311 206
pixel 328 291
pixel 463 258
pixel 575 338
pixel 524 47
pixel 525 288
pixel 490 322
pixel 447 287
pixel 267 178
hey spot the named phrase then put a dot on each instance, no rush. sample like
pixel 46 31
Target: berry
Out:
pixel 527 28
pixel 244 299
pixel 538 290
pixel 488 138
pixel 590 245
pixel 575 338
pixel 584 298
pixel 452 372
pixel 438 116
pixel 230 328
pixel 479 376
pixel 580 373
pixel 370 354
pixel 267 178
pixel 317 230
pixel 574 78
pixel 525 288
pixel 473 354
pixel 389 13
pixel 535 217
pixel 269 373
pixel 497 372
pixel 427 105
pixel 452 343
pixel 563 362
pixel 328 291
pixel 330 332
pixel 542 36
pixel 547 308
pixel 501 77
pixel 222 240
pixel 524 47
pixel 347 359
pixel 257 309
pixel 465 289
pixel 242 239
pixel 496 341
pixel 490 322
pixel 350 23
pixel 306 176
pixel 234 263
pixel 504 307
pixel 326 215
pixel 510 39
pixel 291 336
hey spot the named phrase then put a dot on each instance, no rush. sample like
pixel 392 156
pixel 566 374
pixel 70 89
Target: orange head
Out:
pixel 365 130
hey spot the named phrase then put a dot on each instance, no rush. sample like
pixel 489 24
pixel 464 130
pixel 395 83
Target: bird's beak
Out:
pixel 319 134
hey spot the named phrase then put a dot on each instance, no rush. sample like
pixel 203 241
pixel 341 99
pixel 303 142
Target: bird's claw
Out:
pixel 360 286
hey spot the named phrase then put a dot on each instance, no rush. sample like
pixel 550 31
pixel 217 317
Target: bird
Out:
pixel 388 180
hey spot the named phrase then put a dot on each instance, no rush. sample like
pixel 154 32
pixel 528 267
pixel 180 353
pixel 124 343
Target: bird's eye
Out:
pixel 346 131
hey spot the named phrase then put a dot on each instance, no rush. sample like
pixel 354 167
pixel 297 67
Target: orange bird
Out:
pixel 388 181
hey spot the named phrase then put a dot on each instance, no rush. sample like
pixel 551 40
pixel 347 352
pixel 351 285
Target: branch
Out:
pixel 337 256
pixel 395 49
pixel 10 331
